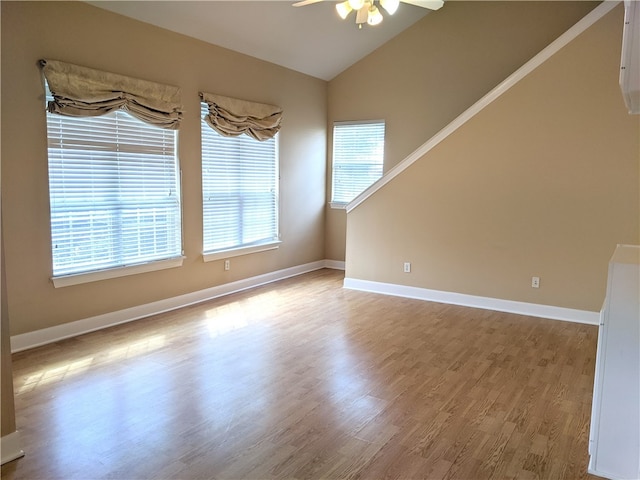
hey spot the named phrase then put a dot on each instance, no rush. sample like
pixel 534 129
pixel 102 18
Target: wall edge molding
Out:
pixel 583 24
pixel 37 338
pixel 473 301
pixel 10 447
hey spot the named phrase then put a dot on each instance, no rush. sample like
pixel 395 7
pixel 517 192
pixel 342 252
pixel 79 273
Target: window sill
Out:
pixel 338 205
pixel 79 278
pixel 237 252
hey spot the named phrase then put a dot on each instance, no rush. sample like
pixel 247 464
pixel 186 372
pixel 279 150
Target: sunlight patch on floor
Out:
pixel 240 314
pixel 65 370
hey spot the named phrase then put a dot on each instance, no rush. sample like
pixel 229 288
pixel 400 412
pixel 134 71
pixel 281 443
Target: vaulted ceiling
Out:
pixel 312 39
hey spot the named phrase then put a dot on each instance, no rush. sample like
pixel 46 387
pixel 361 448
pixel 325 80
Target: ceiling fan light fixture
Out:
pixel 343 9
pixel 368 12
pixel 374 17
pixel 390 5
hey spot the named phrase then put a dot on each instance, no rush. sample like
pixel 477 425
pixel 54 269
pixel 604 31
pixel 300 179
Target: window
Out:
pixel 114 193
pixel 240 193
pixel 358 158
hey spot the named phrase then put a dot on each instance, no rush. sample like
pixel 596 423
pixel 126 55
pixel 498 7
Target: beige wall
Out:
pixel 543 182
pixel 86 35
pixel 426 76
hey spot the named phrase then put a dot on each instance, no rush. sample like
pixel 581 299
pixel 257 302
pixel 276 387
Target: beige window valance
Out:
pixel 81 92
pixel 231 117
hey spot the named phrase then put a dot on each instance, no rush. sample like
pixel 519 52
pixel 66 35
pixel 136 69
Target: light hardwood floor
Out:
pixel 304 379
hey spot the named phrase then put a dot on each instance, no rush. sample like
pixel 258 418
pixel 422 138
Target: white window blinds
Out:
pixel 358 158
pixel 240 190
pixel 114 192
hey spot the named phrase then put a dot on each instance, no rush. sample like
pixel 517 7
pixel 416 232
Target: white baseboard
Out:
pixel 44 336
pixel 334 264
pixel 37 338
pixel 496 304
pixel 10 447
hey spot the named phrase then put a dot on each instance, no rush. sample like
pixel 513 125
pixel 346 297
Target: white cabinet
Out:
pixel 614 440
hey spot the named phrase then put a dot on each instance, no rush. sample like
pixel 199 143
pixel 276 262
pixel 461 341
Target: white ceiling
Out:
pixel 312 39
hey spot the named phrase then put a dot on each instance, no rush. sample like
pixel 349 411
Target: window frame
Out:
pixel 249 248
pixel 342 205
pixel 97 273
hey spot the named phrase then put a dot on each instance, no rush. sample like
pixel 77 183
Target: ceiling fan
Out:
pixel 368 12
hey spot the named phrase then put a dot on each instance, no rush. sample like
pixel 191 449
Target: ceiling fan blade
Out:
pixel 305 2
pixel 430 4
pixel 363 14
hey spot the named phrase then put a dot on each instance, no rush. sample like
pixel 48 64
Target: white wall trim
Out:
pixel 334 264
pixel 630 63
pixel 44 336
pixel 487 303
pixel 10 447
pixel 555 46
pixel 238 252
pixel 79 278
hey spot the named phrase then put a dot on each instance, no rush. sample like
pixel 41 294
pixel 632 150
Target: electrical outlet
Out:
pixel 227 264
pixel 535 282
pixel 407 267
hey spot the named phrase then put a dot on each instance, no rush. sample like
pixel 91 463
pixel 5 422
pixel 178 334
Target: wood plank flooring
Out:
pixel 303 379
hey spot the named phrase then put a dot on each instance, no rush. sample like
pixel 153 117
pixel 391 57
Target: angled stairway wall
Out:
pixel 542 182
pixel 425 77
